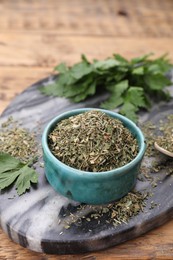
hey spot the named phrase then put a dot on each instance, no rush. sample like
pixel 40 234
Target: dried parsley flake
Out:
pixel 163 135
pixel 93 141
pixel 113 214
pixel 166 139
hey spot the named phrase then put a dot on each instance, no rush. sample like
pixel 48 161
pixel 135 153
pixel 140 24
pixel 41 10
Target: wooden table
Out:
pixel 37 35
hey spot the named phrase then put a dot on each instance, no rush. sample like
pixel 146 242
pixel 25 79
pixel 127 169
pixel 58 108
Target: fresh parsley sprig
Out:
pixel 12 171
pixel 131 84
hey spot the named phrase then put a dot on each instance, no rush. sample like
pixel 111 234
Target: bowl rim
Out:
pixel 78 172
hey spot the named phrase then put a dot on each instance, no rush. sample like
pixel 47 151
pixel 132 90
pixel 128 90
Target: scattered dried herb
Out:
pixel 18 142
pixel 18 153
pixel 158 162
pixel 131 84
pixel 162 134
pixel 115 213
pixel 153 205
pixel 166 139
pixel 149 130
pixel 93 141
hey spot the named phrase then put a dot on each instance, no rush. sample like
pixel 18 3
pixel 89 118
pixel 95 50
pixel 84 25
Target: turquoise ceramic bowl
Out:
pixel 90 187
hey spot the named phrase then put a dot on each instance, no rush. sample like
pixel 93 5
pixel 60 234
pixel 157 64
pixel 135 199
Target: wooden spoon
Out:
pixel 162 150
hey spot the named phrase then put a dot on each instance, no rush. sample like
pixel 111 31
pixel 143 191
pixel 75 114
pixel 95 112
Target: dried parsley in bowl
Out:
pixel 93 141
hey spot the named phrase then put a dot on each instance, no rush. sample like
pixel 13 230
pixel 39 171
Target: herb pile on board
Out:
pixel 132 85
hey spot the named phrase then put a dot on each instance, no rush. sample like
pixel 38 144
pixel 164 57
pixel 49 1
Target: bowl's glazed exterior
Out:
pixel 92 187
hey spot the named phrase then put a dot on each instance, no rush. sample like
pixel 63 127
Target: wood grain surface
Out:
pixel 37 35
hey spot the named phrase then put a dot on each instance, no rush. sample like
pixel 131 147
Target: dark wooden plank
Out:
pixel 103 18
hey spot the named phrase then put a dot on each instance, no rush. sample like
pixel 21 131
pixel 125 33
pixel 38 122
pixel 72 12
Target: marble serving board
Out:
pixel 36 219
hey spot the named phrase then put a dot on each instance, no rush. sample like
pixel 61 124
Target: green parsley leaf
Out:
pixel 8 165
pixel 138 71
pixel 156 81
pixel 53 89
pixel 131 84
pixel 136 96
pixel 116 98
pixel 134 99
pixel 26 177
pixel 140 59
pixel 88 89
pixel 7 179
pixel 129 110
pixel 106 64
pixel 13 171
pixel 121 59
pixel 79 70
pixel 62 68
